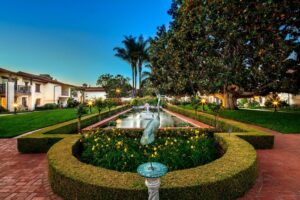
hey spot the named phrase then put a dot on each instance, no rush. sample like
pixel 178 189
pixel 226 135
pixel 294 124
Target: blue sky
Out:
pixel 73 40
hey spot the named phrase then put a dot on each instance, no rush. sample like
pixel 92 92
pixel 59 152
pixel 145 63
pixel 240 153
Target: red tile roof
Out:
pixel 34 77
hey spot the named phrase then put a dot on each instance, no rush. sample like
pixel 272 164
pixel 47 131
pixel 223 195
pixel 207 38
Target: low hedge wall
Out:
pixel 259 139
pixel 228 177
pixel 42 140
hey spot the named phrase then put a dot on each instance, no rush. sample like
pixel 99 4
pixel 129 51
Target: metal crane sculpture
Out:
pixel 152 127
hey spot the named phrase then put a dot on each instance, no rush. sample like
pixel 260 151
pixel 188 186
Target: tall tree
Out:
pixel 230 48
pixel 130 55
pixel 143 56
pixel 114 86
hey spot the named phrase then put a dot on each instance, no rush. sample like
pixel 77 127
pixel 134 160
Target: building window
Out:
pixel 37 102
pixel 24 101
pixel 37 87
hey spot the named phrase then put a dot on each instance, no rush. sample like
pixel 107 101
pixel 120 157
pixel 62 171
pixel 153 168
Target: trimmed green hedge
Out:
pixel 42 140
pixel 259 139
pixel 228 177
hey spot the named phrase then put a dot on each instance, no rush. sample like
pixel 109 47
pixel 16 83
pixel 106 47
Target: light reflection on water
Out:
pixel 136 120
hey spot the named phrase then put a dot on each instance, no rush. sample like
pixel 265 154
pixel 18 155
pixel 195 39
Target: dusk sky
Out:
pixel 73 40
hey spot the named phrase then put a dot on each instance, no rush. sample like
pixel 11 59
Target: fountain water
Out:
pixel 147 114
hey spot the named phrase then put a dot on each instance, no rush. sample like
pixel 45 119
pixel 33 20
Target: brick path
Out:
pixel 187 119
pixel 279 170
pixel 23 176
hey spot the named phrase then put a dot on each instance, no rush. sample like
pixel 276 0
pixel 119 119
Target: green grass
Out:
pixel 14 125
pixel 284 122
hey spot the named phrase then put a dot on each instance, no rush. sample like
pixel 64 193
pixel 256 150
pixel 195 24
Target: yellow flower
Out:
pixel 196 131
pixel 192 147
pixel 125 150
pixel 154 148
pixel 155 153
pixel 93 148
pixel 108 139
pixel 131 155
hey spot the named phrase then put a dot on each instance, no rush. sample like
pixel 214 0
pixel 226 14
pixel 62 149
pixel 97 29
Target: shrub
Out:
pixel 42 140
pixel 112 123
pixel 47 106
pixel 118 152
pixel 2 109
pixel 258 139
pixel 228 177
pixel 72 103
pixel 253 104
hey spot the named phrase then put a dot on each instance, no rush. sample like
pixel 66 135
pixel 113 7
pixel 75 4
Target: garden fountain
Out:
pixel 147 114
pixel 152 171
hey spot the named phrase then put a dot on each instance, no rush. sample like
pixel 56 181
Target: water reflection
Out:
pixel 134 120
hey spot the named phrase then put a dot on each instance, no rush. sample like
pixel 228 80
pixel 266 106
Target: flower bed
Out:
pixel 228 177
pixel 42 140
pixel 117 151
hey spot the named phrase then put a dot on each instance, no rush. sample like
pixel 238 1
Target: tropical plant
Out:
pixel 130 55
pixel 81 110
pixel 143 56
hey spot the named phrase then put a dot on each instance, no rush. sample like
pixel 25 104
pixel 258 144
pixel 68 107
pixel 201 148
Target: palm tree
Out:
pixel 129 54
pixel 143 56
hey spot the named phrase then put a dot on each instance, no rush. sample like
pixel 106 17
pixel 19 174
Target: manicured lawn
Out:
pixel 13 125
pixel 285 122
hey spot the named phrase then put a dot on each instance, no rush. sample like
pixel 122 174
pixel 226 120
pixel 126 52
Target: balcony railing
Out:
pixel 23 89
pixel 64 93
pixel 2 88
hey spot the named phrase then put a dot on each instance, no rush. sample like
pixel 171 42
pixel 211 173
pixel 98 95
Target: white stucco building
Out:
pixel 93 93
pixel 29 91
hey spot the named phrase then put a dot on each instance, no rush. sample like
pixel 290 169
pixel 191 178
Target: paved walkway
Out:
pixel 23 176
pixel 279 170
pixel 188 120
pixel 105 121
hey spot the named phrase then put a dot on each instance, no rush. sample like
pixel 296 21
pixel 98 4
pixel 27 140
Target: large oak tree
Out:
pixel 231 48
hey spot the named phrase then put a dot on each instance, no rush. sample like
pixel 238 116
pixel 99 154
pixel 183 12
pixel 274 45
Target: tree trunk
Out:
pixel 78 125
pixel 140 78
pixel 135 80
pixel 132 67
pixel 230 102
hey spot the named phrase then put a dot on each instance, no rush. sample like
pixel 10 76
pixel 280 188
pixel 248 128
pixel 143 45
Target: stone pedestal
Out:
pixel 153 185
pixel 152 171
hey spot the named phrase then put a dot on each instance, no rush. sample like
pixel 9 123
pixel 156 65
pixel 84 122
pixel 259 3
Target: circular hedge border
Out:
pixel 225 178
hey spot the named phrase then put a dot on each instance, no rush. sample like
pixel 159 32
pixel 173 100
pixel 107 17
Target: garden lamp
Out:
pixel 15 107
pixel 90 103
pixel 203 101
pixel 275 104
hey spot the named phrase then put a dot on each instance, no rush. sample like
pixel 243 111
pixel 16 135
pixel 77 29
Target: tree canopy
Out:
pixel 114 86
pixel 232 48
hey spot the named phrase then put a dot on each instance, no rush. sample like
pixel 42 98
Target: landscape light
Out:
pixel 275 104
pixel 203 101
pixel 15 107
